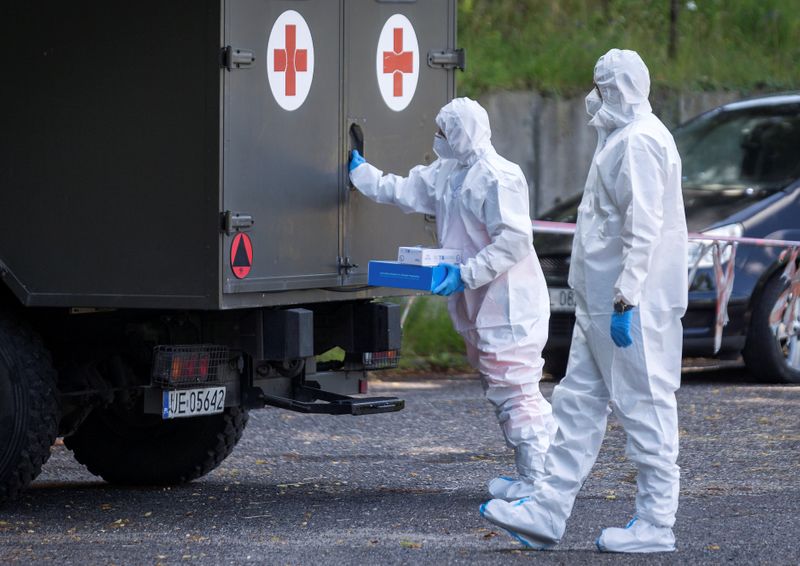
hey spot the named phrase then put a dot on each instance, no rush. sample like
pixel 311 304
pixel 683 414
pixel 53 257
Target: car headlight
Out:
pixel 696 246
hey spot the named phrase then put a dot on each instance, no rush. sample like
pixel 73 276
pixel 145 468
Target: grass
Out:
pixel 552 45
pixel 429 341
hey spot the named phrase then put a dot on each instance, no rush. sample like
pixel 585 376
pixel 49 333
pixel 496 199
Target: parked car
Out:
pixel 741 177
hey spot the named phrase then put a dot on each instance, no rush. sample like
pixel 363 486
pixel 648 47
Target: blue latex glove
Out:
pixel 621 328
pixel 452 281
pixel 356 159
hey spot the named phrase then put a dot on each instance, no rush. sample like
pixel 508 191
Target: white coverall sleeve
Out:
pixel 639 192
pixel 505 213
pixel 415 193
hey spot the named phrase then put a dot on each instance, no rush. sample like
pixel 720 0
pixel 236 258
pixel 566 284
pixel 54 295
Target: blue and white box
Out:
pixel 405 276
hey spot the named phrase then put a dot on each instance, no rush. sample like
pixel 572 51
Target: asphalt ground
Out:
pixel 405 488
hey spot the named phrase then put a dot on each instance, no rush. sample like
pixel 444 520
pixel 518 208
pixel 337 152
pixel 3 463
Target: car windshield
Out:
pixel 753 148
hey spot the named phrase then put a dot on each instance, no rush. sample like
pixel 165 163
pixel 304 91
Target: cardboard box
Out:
pixel 417 255
pixel 405 276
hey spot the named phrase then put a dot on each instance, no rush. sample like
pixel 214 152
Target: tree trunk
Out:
pixel 672 49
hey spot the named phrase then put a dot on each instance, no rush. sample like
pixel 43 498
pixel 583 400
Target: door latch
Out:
pixel 233 222
pixel 345 265
pixel 448 59
pixel 234 58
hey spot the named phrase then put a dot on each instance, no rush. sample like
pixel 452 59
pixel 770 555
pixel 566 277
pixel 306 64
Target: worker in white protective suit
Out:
pixel 629 273
pixel 498 297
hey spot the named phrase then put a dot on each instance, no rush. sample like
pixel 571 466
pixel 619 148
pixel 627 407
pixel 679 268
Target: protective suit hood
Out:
pixel 466 126
pixel 624 83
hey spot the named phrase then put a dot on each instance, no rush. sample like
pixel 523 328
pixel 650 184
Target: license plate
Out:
pixel 562 300
pixel 193 402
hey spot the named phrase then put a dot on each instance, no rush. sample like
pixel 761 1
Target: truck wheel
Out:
pixel 28 407
pixel 123 445
pixel 772 352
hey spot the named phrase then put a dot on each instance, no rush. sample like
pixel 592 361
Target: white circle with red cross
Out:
pixel 290 60
pixel 397 62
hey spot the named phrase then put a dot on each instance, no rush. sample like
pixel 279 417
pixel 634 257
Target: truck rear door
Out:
pixel 281 147
pixel 392 96
pixel 300 74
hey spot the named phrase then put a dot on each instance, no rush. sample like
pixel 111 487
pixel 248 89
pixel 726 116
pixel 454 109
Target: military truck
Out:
pixel 179 241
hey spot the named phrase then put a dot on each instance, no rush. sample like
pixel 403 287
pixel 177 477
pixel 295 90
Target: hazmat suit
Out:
pixel 481 205
pixel 630 247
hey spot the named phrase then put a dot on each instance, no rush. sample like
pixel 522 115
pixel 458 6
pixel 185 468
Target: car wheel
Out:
pixel 772 352
pixel 555 363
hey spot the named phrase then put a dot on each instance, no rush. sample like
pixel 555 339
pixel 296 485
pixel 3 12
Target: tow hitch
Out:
pixel 314 400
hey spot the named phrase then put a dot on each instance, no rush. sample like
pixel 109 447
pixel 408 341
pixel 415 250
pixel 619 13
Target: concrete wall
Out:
pixel 549 138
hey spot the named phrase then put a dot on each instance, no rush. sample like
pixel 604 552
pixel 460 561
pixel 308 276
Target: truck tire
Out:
pixel 124 446
pixel 28 406
pixel 772 355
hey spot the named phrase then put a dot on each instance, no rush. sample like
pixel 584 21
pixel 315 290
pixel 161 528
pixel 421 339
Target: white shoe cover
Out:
pixel 638 536
pixel 521 522
pixel 510 489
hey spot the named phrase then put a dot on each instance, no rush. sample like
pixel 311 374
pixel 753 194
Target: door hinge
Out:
pixel 345 265
pixel 233 222
pixel 235 58
pixel 448 59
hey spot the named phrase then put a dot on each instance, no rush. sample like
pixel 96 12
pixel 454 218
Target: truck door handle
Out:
pixel 357 139
pixel 356 142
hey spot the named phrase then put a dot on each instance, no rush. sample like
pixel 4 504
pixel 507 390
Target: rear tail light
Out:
pixel 381 360
pixel 184 366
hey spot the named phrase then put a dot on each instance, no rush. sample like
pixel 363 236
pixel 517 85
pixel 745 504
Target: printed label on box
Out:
pixel 417 255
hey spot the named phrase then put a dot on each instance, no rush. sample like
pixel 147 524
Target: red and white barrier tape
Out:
pixel 723 278
pixel 783 319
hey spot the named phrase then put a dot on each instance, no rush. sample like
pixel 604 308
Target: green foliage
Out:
pixel 334 354
pixel 429 340
pixel 552 45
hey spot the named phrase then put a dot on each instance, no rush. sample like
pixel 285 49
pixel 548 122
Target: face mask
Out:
pixel 442 148
pixel 593 103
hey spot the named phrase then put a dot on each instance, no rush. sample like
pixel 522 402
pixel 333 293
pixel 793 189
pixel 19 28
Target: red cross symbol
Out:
pixel 291 60
pixel 398 62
